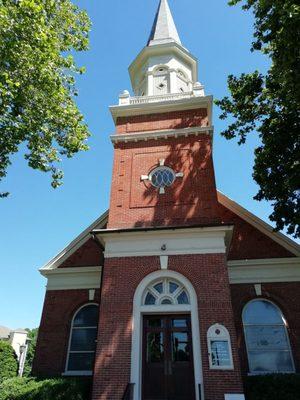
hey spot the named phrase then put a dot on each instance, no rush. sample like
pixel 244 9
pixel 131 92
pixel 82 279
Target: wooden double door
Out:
pixel 168 370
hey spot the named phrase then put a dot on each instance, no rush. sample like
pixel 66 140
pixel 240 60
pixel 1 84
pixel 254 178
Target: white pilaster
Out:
pixel 150 85
pixel 173 82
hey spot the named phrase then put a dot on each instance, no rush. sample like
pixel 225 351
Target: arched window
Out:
pixel 82 343
pixel 266 338
pixel 166 292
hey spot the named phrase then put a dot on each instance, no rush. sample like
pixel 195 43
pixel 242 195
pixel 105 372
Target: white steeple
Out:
pixel 163 29
pixel 164 67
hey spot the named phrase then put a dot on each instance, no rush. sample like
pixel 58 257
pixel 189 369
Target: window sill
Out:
pixel 270 373
pixel 222 368
pixel 77 373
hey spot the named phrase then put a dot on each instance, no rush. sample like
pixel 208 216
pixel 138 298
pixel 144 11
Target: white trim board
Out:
pixel 166 242
pixel 163 107
pixel 137 327
pixel 259 224
pixel 264 270
pixel 161 134
pixel 73 278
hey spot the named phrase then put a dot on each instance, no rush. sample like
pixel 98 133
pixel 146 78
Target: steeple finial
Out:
pixel 164 29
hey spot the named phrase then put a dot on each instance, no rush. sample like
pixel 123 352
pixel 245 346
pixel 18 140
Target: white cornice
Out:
pixel 264 270
pixel 155 135
pixel 259 224
pixel 225 201
pixel 163 49
pixel 166 242
pixel 73 278
pixel 163 107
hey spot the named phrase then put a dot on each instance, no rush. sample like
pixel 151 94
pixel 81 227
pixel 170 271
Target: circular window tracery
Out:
pixel 166 292
pixel 162 177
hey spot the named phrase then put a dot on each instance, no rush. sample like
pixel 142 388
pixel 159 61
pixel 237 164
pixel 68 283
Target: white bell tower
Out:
pixel 164 66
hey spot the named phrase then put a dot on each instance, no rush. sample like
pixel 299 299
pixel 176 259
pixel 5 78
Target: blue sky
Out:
pixel 37 221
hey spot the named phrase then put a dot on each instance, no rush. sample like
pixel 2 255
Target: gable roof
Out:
pixel 259 224
pixel 76 243
pixel 246 215
pixel 4 332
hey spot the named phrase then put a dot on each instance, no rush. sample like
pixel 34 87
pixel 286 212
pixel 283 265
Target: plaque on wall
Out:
pixel 220 355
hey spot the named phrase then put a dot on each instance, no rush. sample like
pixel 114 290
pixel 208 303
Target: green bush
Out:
pixel 49 389
pixel 8 361
pixel 273 387
pixel 32 335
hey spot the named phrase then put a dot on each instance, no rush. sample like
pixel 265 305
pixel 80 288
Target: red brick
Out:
pixel 207 273
pixel 89 254
pixel 160 121
pixel 191 200
pixel 54 330
pixel 286 295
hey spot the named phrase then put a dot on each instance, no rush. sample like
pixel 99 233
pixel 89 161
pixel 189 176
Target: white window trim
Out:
pixel 78 373
pixel 137 327
pixel 287 336
pixel 224 337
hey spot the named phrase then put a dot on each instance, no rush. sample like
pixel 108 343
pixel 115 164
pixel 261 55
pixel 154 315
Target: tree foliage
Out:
pixel 270 105
pixel 273 387
pixel 37 82
pixel 8 361
pixel 32 336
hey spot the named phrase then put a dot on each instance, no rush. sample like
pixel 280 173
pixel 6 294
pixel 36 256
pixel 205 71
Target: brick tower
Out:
pixel 166 329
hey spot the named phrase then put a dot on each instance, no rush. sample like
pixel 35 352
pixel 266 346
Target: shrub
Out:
pixel 273 387
pixel 32 335
pixel 49 389
pixel 8 361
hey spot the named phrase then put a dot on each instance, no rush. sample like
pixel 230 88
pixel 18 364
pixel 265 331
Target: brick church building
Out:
pixel 176 292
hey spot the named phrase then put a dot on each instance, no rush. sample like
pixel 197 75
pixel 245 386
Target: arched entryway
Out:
pixel 166 339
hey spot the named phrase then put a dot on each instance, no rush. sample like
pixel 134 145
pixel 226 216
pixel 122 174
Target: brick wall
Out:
pixel 160 121
pixel 190 200
pixel 54 330
pixel 286 296
pixel 89 254
pixel 248 242
pixel 121 277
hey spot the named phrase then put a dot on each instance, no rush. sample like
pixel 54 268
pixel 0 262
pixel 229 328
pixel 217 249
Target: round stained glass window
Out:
pixel 162 177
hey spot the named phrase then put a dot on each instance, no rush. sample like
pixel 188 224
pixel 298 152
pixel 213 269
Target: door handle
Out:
pixel 170 368
pixel 166 367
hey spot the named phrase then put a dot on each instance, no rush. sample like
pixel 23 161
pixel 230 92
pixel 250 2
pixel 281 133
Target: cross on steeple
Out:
pixel 164 29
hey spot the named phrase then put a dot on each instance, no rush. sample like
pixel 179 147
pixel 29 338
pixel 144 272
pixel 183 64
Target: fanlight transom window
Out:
pixel 267 338
pixel 166 292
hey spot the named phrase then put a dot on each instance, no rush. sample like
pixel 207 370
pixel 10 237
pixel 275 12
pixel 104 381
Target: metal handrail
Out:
pixel 128 394
pixel 200 391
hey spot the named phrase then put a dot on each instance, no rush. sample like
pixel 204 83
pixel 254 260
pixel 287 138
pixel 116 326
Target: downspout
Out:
pixel 96 240
pixel 99 244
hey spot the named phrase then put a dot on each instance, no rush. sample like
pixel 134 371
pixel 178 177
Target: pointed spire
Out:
pixel 164 29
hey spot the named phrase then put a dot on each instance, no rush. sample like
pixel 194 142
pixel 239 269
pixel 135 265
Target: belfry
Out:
pixel 174 293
